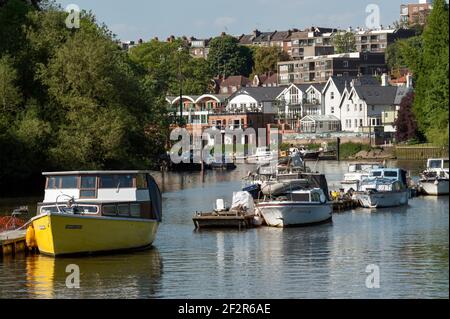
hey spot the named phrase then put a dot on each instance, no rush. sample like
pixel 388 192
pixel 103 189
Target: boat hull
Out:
pixel 383 199
pixel 290 214
pixel 58 234
pixel 436 188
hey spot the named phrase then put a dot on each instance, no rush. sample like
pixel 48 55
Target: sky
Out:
pixel 146 19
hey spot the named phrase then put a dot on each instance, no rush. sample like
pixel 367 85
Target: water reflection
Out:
pixel 136 275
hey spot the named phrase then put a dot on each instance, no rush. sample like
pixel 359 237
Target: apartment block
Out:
pixel 415 13
pixel 378 40
pixel 318 69
pixel 312 42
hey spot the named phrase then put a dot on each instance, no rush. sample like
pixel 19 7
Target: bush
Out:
pixel 349 149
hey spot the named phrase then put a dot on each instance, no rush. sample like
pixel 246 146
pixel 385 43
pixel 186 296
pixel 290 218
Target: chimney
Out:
pixel 256 33
pixel 409 80
pixel 384 79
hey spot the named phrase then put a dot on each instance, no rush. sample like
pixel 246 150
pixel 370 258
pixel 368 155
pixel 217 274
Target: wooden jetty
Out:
pixel 13 242
pixel 344 205
pixel 222 219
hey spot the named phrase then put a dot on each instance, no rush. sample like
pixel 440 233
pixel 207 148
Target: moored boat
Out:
pixel 385 187
pixel 305 202
pixel 356 173
pixel 435 179
pixel 97 211
pixel 296 208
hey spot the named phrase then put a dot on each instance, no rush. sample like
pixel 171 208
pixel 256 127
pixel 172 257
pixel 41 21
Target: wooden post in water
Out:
pixel 338 148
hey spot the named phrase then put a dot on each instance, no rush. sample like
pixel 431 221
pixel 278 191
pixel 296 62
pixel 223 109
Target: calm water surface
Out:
pixel 409 244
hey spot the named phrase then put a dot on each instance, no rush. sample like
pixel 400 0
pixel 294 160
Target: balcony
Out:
pixel 311 102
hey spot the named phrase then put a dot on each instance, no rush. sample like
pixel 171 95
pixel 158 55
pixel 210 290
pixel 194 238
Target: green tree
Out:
pixel 431 70
pixel 226 57
pixel 164 61
pixel 266 59
pixel 344 42
pixel 10 97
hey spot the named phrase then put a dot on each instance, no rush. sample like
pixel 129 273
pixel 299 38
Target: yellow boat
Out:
pixel 96 211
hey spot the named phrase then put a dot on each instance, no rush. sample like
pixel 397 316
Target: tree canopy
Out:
pixel 344 42
pixel 266 59
pixel 429 63
pixel 71 98
pixel 226 57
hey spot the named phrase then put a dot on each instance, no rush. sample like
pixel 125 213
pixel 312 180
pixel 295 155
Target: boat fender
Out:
pixel 30 237
pixel 323 199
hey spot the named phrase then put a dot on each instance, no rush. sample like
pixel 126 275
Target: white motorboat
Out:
pixel 296 202
pixel 385 187
pixel 296 208
pixel 262 156
pixel 434 180
pixel 357 172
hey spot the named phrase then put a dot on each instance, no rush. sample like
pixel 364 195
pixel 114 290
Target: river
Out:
pixel 408 245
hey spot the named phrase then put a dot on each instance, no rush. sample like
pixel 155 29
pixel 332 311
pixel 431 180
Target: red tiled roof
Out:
pixel 236 80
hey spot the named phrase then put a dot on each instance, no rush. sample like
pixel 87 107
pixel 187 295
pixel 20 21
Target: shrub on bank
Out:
pixel 349 149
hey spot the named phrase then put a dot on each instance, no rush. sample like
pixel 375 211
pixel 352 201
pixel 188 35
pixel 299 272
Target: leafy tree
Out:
pixel 406 124
pixel 163 62
pixel 344 42
pixel 431 70
pixel 72 99
pixel 226 57
pixel 10 97
pixel 266 59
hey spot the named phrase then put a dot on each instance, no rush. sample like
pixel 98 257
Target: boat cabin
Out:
pixel 315 195
pixel 363 167
pixel 393 174
pixel 132 194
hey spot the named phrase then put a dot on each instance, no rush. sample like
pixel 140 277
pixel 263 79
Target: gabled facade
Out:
pixel 371 108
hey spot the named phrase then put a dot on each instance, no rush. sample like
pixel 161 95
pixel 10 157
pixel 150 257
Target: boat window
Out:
pixel 84 209
pixel 352 168
pixel 435 164
pixel 141 181
pixel 390 174
pixel 88 187
pixel 115 181
pixel 123 210
pixel 69 182
pixel 315 197
pixel 301 197
pixel 446 164
pixel 52 182
pixel 51 209
pixel 378 174
pixel 59 182
pixel 109 210
pixel 88 181
pixel 135 210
